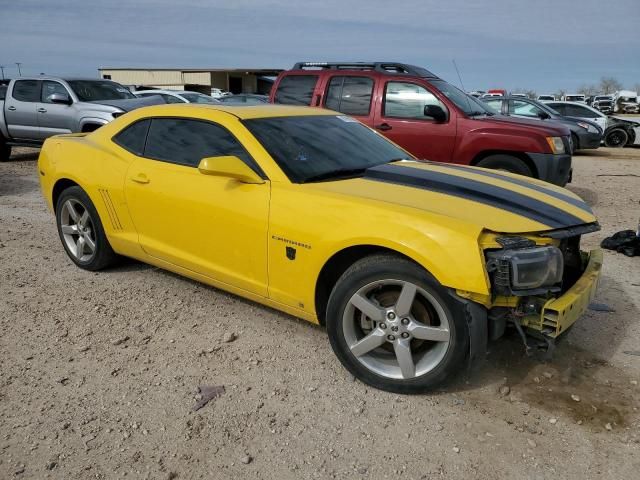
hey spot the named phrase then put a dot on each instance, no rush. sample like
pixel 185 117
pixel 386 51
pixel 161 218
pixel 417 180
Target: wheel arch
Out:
pixel 60 186
pixel 519 155
pixel 337 264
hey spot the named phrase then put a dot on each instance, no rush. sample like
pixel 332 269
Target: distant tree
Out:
pixel 588 90
pixel 609 85
pixel 560 93
pixel 531 94
pixel 636 87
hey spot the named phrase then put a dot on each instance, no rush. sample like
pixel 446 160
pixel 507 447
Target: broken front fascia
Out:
pixel 550 315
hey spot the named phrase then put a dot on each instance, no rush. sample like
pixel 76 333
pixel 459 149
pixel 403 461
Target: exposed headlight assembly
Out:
pixel 556 144
pixel 525 271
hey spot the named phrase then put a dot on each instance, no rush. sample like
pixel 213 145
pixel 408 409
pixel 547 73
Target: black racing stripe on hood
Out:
pixel 475 191
pixel 523 183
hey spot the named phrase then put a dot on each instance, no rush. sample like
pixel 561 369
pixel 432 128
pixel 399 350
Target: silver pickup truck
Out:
pixel 35 108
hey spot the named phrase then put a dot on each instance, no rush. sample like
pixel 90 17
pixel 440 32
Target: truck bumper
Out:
pixel 552 168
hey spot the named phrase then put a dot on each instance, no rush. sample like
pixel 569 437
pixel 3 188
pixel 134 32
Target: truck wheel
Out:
pixel 574 144
pixel 616 138
pixel 81 231
pixel 507 163
pixel 394 327
pixel 5 150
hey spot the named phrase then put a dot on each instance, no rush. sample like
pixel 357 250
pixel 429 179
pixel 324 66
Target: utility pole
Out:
pixel 2 69
pixel 19 72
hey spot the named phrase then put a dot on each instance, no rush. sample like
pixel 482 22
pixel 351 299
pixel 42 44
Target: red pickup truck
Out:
pixel 429 117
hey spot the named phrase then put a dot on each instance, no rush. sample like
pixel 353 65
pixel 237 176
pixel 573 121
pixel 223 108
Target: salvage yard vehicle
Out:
pixel 574 97
pixel 604 103
pixel 178 96
pixel 429 117
pixel 36 108
pixel 626 101
pixel 412 266
pixel 618 131
pixel 584 134
pixel 544 98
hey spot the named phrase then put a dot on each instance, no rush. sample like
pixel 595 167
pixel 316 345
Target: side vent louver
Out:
pixel 108 203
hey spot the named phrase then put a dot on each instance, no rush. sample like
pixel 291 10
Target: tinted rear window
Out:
pixel 296 89
pixel 27 90
pixel 350 95
pixel 133 137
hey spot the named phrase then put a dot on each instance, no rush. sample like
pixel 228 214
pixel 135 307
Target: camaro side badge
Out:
pixel 291 253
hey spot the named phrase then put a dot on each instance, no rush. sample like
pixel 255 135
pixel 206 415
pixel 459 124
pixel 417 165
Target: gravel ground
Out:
pixel 99 374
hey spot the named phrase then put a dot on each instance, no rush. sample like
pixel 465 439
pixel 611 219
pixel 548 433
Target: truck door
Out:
pixel 54 118
pixel 20 110
pixel 401 118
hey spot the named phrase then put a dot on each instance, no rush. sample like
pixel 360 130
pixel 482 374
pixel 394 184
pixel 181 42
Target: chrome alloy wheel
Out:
pixel 396 329
pixel 77 230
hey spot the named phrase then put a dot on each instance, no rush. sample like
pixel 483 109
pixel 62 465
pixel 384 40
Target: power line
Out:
pixel 19 72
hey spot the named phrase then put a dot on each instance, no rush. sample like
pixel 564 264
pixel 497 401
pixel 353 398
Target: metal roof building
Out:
pixel 234 80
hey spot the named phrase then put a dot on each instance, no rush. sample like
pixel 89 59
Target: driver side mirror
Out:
pixel 61 98
pixel 544 116
pixel 231 167
pixel 436 112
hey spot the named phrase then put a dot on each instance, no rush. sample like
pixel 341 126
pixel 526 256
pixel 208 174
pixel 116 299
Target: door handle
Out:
pixel 42 110
pixel 384 127
pixel 140 178
pixel 12 108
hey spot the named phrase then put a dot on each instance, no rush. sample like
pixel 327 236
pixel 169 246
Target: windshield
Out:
pixel 195 97
pixel 311 148
pixel 465 102
pixel 92 90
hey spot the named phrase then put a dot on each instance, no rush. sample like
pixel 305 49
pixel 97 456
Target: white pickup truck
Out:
pixel 35 108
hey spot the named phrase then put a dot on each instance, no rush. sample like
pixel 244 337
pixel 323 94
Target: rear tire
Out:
pixel 394 327
pixel 81 231
pixel 616 138
pixel 5 150
pixel 508 163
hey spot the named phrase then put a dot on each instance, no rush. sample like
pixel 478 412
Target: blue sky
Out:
pixel 545 45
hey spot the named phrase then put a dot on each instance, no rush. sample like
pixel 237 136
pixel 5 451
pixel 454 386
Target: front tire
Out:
pixel 394 327
pixel 616 138
pixel 507 163
pixel 81 231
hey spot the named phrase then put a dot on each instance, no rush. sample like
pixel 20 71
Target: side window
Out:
pixel 132 138
pixel 350 95
pixel 495 105
pixel 186 142
pixel 525 109
pixel 560 108
pixel 49 88
pixel 576 111
pixel 296 89
pixel 407 100
pixel 26 90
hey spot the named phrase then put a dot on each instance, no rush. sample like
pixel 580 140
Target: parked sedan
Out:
pixel 179 96
pixel 618 131
pixel 245 99
pixel 411 266
pixel 584 134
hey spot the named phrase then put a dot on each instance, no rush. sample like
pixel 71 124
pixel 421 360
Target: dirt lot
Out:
pixel 98 374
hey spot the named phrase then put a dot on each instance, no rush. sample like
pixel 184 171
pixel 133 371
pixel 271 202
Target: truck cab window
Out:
pixel 350 95
pixel 49 88
pixel 296 89
pixel 26 90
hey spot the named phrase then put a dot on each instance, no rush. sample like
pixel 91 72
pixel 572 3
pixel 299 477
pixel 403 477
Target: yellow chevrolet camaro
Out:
pixel 412 266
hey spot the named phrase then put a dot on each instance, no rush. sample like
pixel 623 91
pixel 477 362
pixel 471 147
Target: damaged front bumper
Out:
pixel 558 314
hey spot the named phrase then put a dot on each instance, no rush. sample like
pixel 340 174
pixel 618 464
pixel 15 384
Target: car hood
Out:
pixel 128 104
pixel 501 121
pixel 493 200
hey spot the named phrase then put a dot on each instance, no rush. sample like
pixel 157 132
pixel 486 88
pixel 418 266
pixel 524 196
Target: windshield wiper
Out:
pixel 336 174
